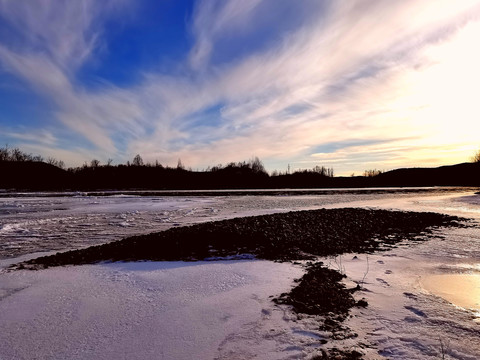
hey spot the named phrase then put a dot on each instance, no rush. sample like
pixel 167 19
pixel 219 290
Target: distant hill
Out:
pixel 465 174
pixel 35 175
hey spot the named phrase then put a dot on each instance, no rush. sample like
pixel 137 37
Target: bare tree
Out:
pixel 137 160
pixel 58 163
pixel 180 164
pixel 50 160
pixel 476 157
pixel 4 153
pixel 17 155
pixel 371 173
pixel 322 170
pixel 256 165
pixel 94 163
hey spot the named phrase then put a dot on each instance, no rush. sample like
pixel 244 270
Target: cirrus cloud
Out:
pixel 396 79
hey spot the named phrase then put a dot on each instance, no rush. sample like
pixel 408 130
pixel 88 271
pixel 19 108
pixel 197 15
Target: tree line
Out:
pixel 21 170
pixel 16 167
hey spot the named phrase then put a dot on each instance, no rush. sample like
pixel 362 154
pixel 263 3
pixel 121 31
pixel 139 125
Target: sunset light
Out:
pixel 356 84
pixel 239 179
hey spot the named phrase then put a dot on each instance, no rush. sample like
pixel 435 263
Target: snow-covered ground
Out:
pixel 415 309
pixel 208 310
pixel 146 310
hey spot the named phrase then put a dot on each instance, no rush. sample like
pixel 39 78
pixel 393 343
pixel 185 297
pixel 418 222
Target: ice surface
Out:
pixel 43 222
pixel 460 289
pixel 405 319
pixel 222 309
pixel 31 224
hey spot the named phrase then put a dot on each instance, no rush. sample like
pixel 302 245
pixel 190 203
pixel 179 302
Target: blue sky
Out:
pixel 352 85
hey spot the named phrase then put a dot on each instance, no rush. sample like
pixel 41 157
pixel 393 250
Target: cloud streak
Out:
pixel 400 76
pixel 66 32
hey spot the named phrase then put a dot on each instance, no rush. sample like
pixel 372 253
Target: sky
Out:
pixel 350 85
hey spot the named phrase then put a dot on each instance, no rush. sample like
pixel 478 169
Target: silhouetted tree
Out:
pixel 371 173
pixel 476 157
pixel 17 155
pixel 257 166
pixel 180 164
pixel 58 163
pixel 37 158
pixel 94 163
pixel 4 154
pixel 322 170
pixel 137 160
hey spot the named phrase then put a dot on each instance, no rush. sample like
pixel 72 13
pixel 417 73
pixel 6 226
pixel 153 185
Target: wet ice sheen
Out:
pixel 460 289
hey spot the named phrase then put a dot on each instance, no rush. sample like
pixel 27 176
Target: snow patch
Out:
pixel 146 310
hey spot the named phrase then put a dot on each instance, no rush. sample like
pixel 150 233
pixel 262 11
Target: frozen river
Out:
pixel 222 310
pixel 31 223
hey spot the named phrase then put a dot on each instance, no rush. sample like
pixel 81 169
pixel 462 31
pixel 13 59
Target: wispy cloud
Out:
pixel 360 73
pixel 44 137
pixel 399 75
pixel 213 19
pixel 57 37
pixel 67 32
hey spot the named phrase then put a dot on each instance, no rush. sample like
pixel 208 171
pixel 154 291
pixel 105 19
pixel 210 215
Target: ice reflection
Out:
pixel 462 290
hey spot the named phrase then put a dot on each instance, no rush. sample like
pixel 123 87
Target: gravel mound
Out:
pixel 282 237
